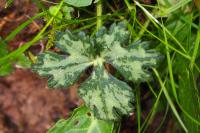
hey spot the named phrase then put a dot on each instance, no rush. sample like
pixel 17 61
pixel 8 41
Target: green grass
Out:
pixel 173 29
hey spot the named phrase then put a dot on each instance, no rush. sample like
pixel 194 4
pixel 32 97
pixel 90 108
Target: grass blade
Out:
pixel 170 101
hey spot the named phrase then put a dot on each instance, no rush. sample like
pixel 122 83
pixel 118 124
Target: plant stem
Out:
pixel 196 47
pixel 99 14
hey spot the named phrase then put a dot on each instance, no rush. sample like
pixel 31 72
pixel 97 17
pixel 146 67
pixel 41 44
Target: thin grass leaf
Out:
pixel 22 26
pixel 24 47
pixel 170 101
pixel 196 48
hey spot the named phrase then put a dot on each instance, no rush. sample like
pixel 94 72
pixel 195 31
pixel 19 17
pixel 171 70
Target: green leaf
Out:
pixel 67 12
pixel 23 61
pixel 62 71
pixel 82 121
pixel 187 91
pixel 131 62
pixel 79 3
pixel 71 44
pixel 5 66
pixel 167 7
pixel 5 69
pixel 64 13
pixel 3 48
pixel 58 16
pixel 103 93
pixel 116 34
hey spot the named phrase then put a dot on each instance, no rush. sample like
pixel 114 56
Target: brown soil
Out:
pixel 27 105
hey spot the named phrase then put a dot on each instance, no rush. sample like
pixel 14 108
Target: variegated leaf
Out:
pixel 108 97
pixel 132 62
pixel 62 71
pixel 82 121
pixel 72 44
pixel 116 34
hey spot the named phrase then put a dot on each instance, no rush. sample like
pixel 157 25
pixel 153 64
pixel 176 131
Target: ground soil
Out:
pixel 27 105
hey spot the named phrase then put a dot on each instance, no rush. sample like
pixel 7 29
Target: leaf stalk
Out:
pixel 99 14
